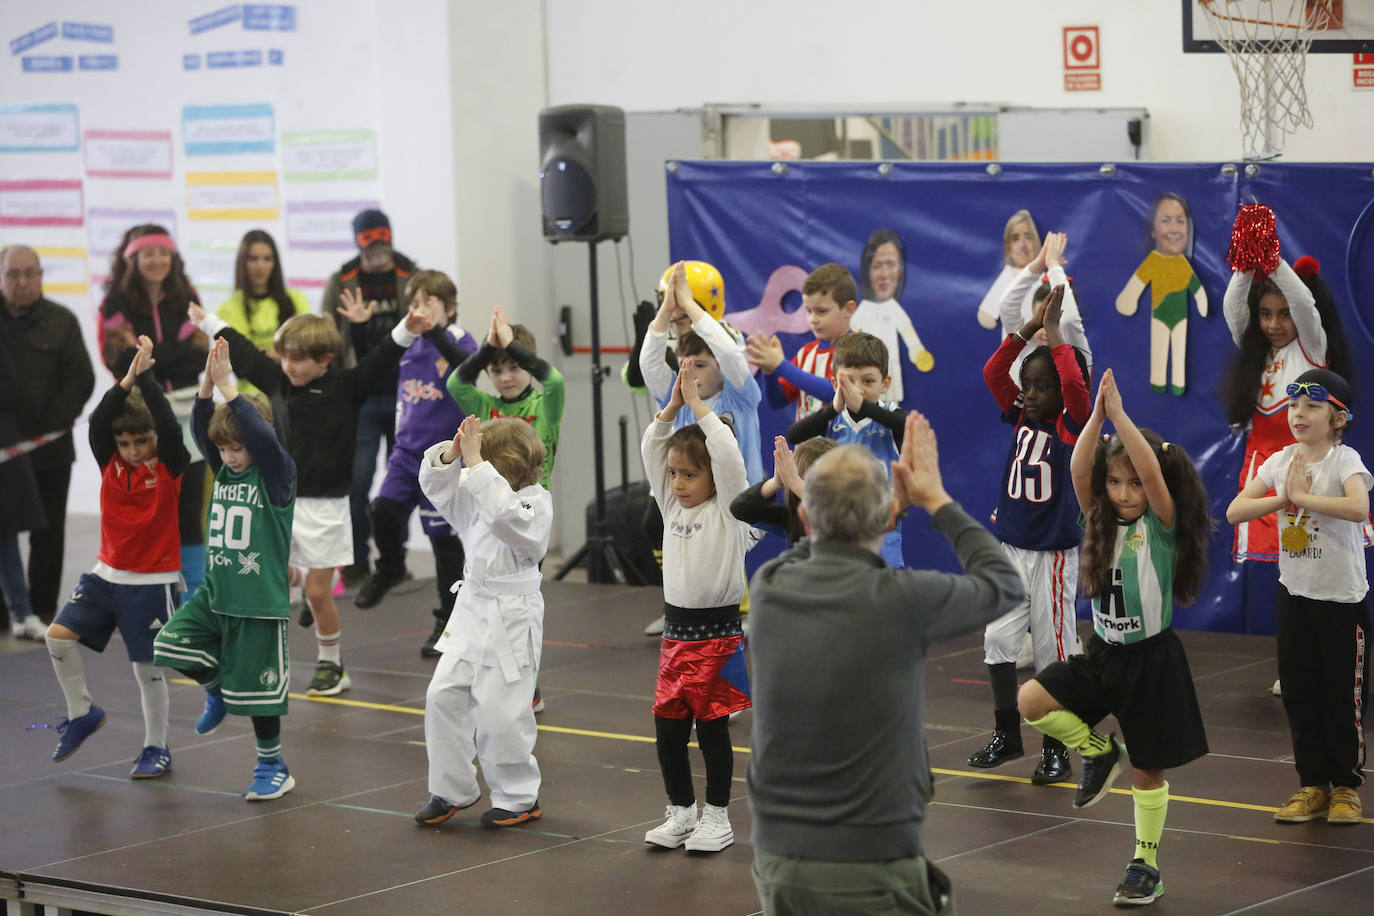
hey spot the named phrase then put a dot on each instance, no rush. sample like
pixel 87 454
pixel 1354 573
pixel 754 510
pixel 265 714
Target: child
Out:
pixel 706 352
pixel 1030 286
pixel 694 473
pixel 1037 523
pixel 1323 622
pixel 856 415
pixel 1145 548
pixel 490 648
pixel 230 636
pixel 755 506
pixel 137 443
pixel 424 413
pixel 322 403
pixel 508 354
pixel 828 295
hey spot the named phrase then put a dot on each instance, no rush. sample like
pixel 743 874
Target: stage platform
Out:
pixel 83 835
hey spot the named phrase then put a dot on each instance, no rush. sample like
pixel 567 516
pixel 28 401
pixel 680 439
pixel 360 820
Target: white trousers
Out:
pixel 1051 580
pixel 471 710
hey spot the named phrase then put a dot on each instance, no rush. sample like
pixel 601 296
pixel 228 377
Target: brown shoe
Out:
pixel 1307 804
pixel 1345 806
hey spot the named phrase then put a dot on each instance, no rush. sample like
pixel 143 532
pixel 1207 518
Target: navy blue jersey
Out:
pixel 1037 509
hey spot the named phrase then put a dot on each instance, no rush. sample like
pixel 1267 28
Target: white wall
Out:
pixel 652 56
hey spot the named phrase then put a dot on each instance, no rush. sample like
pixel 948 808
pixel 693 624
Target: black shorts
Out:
pixel 1146 685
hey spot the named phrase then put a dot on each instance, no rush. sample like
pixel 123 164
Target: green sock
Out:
pixel 269 749
pixel 1151 806
pixel 1073 731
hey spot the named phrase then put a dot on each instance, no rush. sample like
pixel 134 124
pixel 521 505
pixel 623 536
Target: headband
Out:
pixel 155 240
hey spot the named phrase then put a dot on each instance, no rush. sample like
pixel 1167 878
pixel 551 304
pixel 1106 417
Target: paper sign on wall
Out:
pixel 231 195
pixel 105 226
pixel 213 130
pixel 329 155
pixel 323 224
pixel 64 269
pixel 1082 59
pixel 129 153
pixel 39 129
pixel 212 264
pixel 41 202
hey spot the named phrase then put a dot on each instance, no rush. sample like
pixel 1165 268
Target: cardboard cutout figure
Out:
pixel 882 272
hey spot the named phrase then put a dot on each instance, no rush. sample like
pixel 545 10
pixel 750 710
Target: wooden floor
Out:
pixel 344 843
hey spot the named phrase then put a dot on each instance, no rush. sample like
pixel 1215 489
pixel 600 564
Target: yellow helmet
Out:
pixel 708 286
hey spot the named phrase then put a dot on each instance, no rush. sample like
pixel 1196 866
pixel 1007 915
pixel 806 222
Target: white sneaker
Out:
pixel 672 833
pixel 1026 657
pixel 713 831
pixel 1277 689
pixel 29 628
pixel 655 628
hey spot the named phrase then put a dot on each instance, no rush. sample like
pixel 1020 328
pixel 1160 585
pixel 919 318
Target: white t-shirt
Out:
pixel 884 320
pixel 1330 564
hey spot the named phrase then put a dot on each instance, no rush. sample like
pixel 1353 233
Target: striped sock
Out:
pixel 1151 806
pixel 1073 731
pixel 329 645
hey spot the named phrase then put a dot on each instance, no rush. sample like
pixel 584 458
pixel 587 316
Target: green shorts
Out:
pixel 248 654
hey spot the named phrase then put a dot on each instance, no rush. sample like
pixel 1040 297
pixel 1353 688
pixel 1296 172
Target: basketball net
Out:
pixel 1266 42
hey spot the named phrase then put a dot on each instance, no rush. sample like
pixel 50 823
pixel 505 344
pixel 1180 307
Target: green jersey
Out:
pixel 248 543
pixel 1141 602
pixel 542 409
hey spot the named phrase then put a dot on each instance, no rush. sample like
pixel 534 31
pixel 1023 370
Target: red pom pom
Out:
pixel 1254 241
pixel 1307 267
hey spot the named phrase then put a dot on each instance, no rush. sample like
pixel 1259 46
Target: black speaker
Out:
pixel 582 173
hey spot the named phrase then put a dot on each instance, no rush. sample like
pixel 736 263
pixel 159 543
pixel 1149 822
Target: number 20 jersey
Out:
pixel 1037 509
pixel 248 542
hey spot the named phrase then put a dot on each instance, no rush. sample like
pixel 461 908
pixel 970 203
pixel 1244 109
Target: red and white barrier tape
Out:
pixel 10 452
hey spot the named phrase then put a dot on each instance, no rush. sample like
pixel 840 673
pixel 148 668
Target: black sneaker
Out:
pixel 1141 885
pixel 371 592
pixel 1054 766
pixel 306 617
pixel 500 817
pixel 437 810
pixel 428 650
pixel 1098 775
pixel 330 680
pixel 1001 747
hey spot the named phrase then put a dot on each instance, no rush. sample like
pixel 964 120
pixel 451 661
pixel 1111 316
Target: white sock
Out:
pixel 329 644
pixel 71 675
pixel 295 576
pixel 152 689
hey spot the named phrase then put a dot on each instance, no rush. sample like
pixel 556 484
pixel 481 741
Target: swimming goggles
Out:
pixel 1316 392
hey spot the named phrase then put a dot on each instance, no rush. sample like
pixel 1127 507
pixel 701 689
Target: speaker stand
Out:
pixel 599 543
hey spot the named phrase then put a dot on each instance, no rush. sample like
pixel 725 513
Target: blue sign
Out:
pixel 36 37
pixel 216 19
pixel 48 64
pixel 39 129
pixel 269 18
pixel 85 31
pixel 253 132
pixel 98 62
pixel 190 61
pixel 219 60
pixel 275 57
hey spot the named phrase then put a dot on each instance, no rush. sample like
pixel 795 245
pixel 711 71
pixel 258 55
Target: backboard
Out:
pixel 1351 31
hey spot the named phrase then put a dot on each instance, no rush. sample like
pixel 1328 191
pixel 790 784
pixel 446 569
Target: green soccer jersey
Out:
pixel 542 409
pixel 1141 603
pixel 248 543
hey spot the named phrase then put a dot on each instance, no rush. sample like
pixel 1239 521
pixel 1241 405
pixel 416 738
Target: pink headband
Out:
pixel 156 240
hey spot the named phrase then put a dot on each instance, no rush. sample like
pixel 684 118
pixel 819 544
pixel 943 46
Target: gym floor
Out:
pixel 343 841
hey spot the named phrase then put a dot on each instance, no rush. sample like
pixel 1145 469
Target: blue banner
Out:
pixel 757 222
pixel 98 62
pixel 269 18
pixel 217 60
pixel 36 37
pixel 86 31
pixel 49 63
pixel 216 19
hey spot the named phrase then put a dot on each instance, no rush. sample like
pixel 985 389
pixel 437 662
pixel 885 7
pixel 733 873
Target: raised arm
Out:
pixel 1085 449
pixel 1235 305
pixel 1303 307
pixel 1138 450
pixel 249 362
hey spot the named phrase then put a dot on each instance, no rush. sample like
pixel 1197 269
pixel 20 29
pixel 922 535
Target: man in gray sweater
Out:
pixel 839 777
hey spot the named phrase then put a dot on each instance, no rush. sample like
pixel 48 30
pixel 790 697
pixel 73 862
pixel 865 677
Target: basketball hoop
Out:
pixel 1266 42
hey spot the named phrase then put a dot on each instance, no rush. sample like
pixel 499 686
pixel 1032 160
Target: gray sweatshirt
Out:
pixel 837 649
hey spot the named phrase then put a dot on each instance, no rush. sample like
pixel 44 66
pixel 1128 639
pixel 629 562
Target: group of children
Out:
pixel 1139 547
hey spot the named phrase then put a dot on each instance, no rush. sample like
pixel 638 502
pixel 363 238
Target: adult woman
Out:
pixel 147 294
pixel 883 269
pixel 261 302
pixel 1020 242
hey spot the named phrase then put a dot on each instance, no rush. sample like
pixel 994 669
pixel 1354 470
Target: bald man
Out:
pixel 55 381
pixel 839 778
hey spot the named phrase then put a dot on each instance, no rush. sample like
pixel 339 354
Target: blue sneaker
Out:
pixel 152 762
pixel 213 715
pixel 271 779
pixel 74 731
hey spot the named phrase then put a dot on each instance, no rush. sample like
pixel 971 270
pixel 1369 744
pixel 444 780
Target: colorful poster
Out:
pixel 211 264
pixel 212 130
pixel 329 155
pixel 231 195
pixel 41 202
pixel 324 224
pixel 39 129
pixel 64 269
pixel 129 153
pixel 105 226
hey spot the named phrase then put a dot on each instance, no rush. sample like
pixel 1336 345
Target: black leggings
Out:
pixel 713 737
